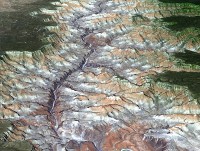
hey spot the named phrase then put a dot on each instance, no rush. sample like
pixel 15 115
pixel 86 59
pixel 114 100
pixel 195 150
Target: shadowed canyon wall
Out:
pixel 116 75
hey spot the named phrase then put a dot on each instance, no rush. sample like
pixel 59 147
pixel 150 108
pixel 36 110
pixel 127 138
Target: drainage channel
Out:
pixel 54 91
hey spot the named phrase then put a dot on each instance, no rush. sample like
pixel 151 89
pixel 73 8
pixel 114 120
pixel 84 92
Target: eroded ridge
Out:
pixel 94 90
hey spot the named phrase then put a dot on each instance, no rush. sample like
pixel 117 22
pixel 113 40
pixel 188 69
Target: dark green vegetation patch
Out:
pixel 21 31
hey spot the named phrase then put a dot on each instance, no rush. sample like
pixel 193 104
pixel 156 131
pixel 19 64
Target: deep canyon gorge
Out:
pixel 110 75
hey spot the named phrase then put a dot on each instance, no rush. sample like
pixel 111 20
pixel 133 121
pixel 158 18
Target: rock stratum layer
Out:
pixel 96 89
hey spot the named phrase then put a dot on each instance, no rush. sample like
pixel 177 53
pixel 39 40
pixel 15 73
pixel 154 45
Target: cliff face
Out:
pixel 101 87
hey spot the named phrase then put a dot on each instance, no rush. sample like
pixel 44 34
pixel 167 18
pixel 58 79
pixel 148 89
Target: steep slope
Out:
pixel 100 87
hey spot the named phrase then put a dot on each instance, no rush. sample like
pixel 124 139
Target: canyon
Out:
pixel 101 82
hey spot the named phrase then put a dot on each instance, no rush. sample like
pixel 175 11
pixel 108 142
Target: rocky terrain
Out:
pixel 102 86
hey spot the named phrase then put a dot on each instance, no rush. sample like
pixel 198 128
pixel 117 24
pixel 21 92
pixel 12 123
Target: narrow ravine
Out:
pixel 91 46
